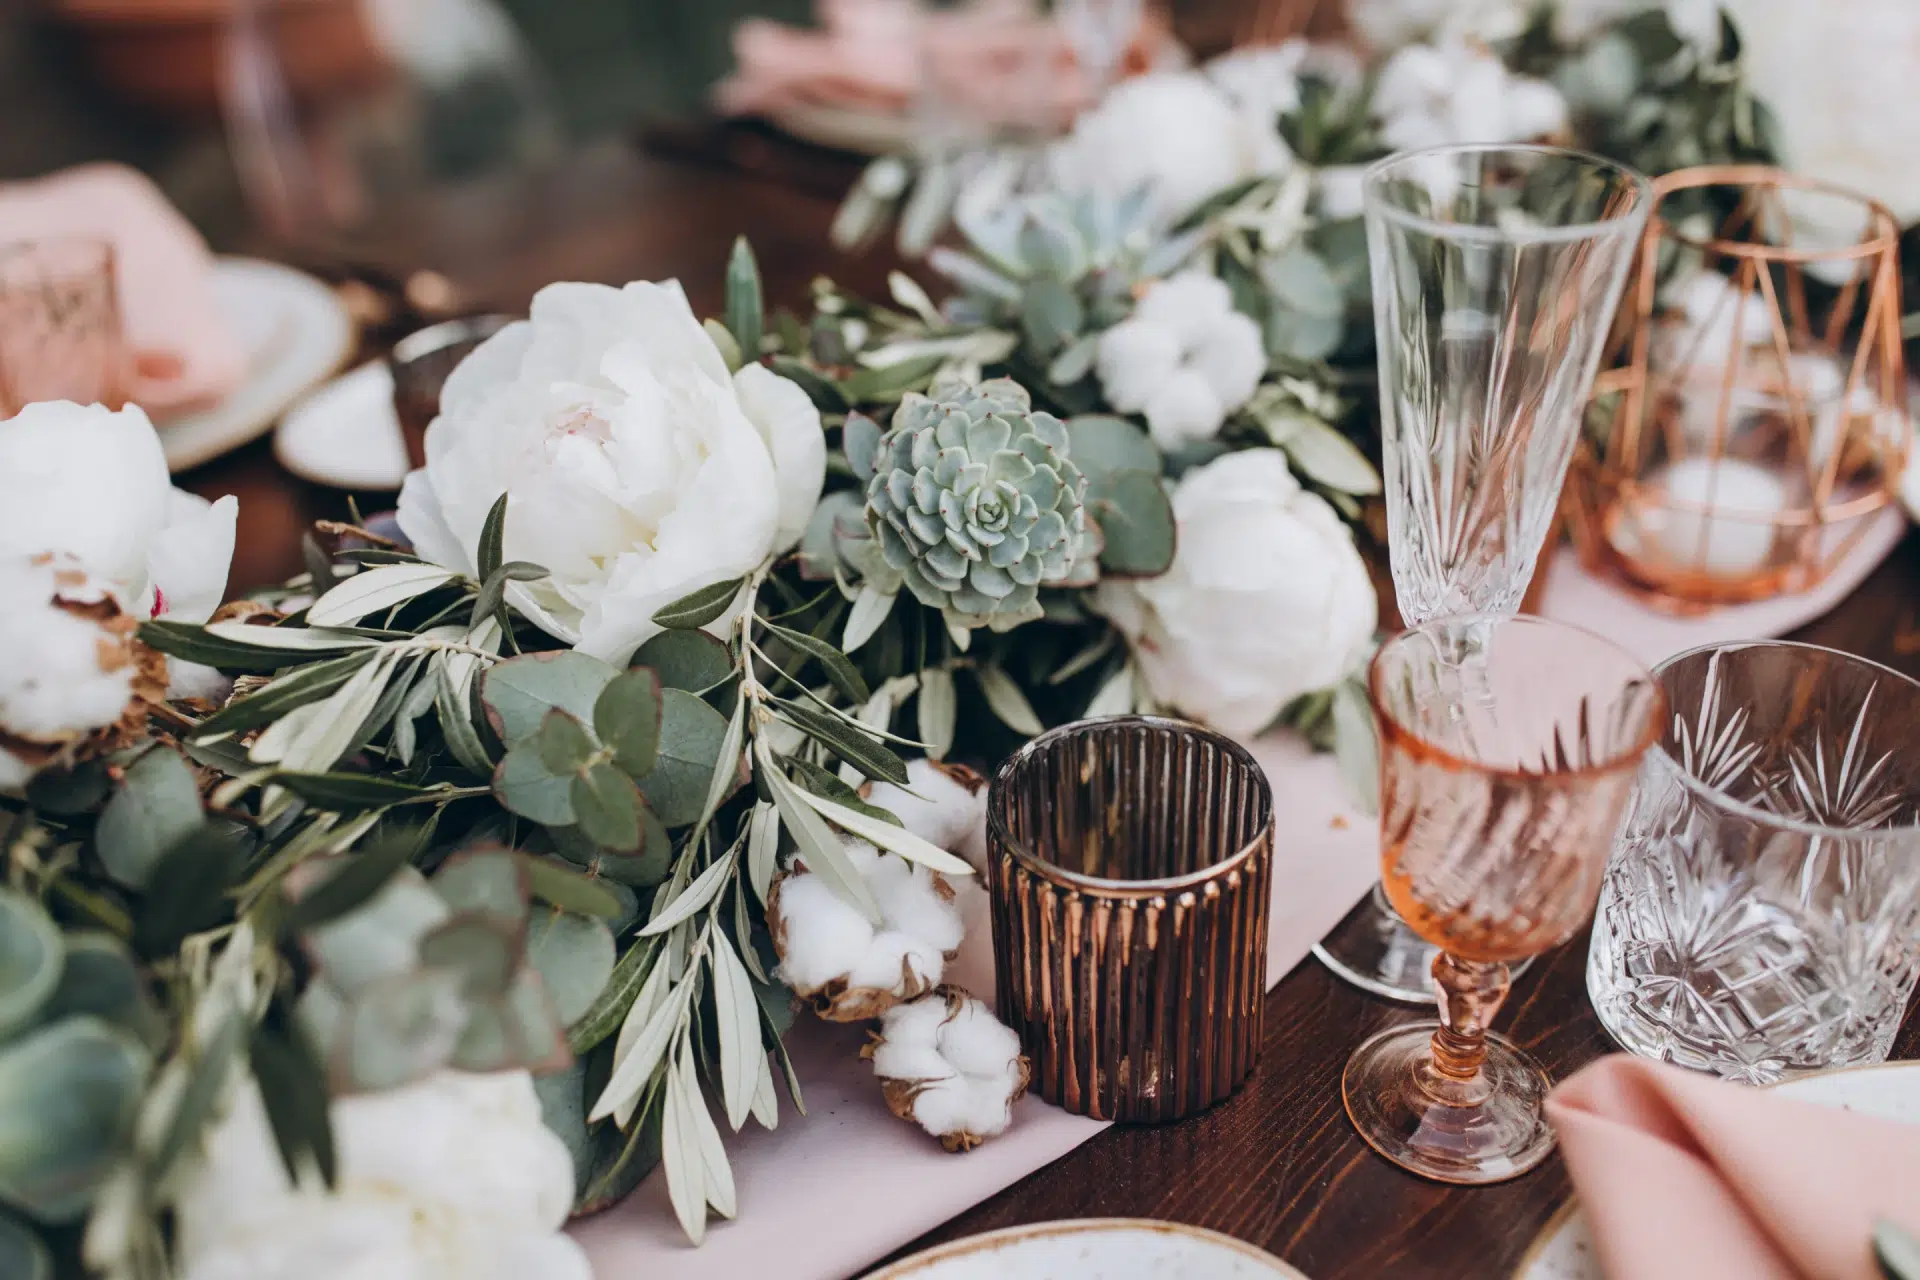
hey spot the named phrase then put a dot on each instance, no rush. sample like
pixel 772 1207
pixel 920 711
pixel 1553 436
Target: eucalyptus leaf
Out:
pixel 72 1090
pixel 555 883
pixel 22 1255
pixel 396 1030
pixel 691 737
pixel 101 979
pixel 488 880
pixel 70 792
pixel 574 956
pixel 518 1031
pixel 563 743
pixel 1137 526
pixel 698 608
pixel 525 785
pixel 690 660
pixel 156 803
pixel 482 949
pixel 350 882
pixel 627 718
pixel 607 806
pixel 518 693
pixel 188 888
pixel 31 960
pixel 1101 444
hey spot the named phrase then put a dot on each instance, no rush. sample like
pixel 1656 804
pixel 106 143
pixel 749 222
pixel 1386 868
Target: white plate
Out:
pixel 296 332
pixel 1564 1249
pixel 1094 1249
pixel 346 433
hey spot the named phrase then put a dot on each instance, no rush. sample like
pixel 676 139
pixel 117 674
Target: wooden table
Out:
pixel 1278 1164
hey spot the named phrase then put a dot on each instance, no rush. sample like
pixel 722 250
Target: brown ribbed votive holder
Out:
pixel 1130 865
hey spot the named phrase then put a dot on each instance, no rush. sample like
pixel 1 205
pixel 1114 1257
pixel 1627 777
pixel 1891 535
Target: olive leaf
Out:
pixel 697 608
pixel 745 308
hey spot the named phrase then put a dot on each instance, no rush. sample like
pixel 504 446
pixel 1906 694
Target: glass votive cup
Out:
pixel 1760 917
pixel 420 364
pixel 1130 864
pixel 60 332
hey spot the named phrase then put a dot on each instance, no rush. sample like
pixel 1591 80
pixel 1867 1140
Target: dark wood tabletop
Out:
pixel 1278 1164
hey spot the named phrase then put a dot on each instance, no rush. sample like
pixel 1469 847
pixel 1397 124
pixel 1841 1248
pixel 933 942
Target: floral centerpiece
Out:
pixel 531 825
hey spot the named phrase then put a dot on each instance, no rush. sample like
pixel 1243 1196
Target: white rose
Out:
pixel 1266 599
pixel 91 483
pixel 452 1178
pixel 1435 95
pixel 636 468
pixel 1185 358
pixel 66 672
pixel 1838 79
pixel 1173 133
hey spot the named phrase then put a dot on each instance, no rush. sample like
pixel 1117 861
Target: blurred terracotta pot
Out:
pixel 169 55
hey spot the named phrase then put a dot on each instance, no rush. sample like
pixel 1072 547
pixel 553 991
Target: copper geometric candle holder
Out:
pixel 1756 414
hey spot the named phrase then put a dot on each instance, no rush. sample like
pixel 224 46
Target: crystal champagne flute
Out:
pixel 1496 273
pixel 1509 747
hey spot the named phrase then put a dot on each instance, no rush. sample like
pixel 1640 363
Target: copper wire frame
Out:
pixel 1607 489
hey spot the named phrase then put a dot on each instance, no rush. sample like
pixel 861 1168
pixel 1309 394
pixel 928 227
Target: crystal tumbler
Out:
pixel 1761 913
pixel 1130 863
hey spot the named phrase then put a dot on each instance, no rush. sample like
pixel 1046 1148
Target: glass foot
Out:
pixel 1486 1129
pixel 1374 950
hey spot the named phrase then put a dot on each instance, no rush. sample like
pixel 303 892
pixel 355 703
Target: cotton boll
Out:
pixel 1341 191
pixel 833 957
pixel 945 805
pixel 825 937
pixel 1231 357
pixel 1134 357
pixel 1186 305
pixel 1184 410
pixel 948 1065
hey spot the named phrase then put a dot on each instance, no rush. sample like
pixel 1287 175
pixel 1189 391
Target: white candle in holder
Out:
pixel 1725 527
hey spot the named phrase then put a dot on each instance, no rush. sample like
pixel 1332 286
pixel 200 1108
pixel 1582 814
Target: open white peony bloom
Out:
pixel 850 970
pixel 1185 358
pixel 452 1178
pixel 1433 95
pixel 636 468
pixel 1838 78
pixel 67 670
pixel 92 483
pixel 1174 134
pixel 1267 597
pixel 947 1064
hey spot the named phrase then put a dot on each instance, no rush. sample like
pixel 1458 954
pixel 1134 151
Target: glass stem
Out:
pixel 1470 992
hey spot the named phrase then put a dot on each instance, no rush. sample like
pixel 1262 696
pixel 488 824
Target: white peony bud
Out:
pixel 839 961
pixel 948 1065
pixel 71 670
pixel 1185 359
pixel 1267 597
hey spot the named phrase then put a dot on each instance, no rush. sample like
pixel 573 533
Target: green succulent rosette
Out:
pixel 975 502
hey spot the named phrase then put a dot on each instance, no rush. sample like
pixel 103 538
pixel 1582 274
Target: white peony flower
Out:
pixel 1185 358
pixel 849 969
pixel 92 483
pixel 636 468
pixel 1838 80
pixel 1173 133
pixel 453 1178
pixel 69 670
pixel 1434 95
pixel 1266 599
pixel 947 1064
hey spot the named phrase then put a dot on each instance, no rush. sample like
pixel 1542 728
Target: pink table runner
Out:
pixel 1325 860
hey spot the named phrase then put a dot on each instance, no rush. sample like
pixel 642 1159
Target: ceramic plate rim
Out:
pixel 987 1240
pixel 1564 1214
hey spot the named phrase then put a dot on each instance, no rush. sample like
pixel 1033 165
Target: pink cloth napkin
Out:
pixel 1684 1177
pixel 183 354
